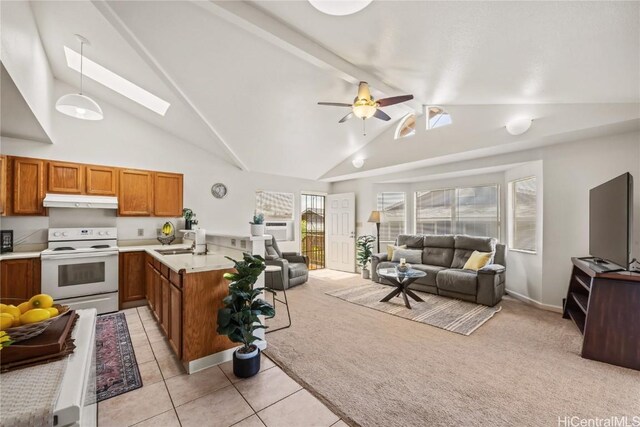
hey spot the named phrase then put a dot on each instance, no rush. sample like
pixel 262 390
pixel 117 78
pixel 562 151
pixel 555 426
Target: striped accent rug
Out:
pixel 453 315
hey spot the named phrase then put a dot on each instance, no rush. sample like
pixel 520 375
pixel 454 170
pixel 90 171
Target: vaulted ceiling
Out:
pixel 244 78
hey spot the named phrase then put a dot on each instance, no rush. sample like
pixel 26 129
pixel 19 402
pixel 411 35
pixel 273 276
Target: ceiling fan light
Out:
pixel 339 7
pixel 357 162
pixel 519 126
pixel 364 111
pixel 79 106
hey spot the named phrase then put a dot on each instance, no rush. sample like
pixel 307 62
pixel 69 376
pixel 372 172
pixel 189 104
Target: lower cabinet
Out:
pixel 157 295
pixel 175 324
pixel 19 279
pixel 132 277
pixel 149 288
pixel 165 319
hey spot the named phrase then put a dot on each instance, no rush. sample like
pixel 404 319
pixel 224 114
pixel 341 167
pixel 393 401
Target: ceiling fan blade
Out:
pixel 394 100
pixel 345 118
pixel 335 104
pixel 379 114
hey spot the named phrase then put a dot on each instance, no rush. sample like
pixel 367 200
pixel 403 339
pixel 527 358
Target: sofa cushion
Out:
pixel 411 241
pixel 412 256
pixel 443 241
pixel 465 245
pixel 477 260
pixel 457 280
pixel 431 270
pixel 437 256
pixel 391 248
pixel 297 269
pixel 271 252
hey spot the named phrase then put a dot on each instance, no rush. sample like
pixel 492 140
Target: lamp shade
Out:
pixel 79 106
pixel 375 216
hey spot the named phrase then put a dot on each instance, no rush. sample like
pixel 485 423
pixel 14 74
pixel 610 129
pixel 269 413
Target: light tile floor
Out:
pixel 213 397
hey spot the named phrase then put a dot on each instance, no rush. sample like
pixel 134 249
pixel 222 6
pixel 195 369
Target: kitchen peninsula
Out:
pixel 185 291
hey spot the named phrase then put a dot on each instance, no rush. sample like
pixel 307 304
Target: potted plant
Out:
pixel 257 225
pixel 189 218
pixel 238 319
pixel 364 246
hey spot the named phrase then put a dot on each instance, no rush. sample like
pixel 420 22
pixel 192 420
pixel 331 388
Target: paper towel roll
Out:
pixel 201 236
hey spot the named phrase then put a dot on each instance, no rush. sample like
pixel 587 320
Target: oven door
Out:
pixel 76 275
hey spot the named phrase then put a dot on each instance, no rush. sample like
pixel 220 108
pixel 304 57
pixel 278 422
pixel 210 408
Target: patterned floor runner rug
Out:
pixel 116 367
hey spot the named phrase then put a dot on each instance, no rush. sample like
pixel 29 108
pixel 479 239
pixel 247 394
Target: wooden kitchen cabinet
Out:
pixel 65 177
pixel 167 194
pixel 3 185
pixel 150 291
pixel 28 186
pixel 165 321
pixel 135 197
pixel 132 283
pixel 19 279
pixel 157 295
pixel 175 323
pixel 101 181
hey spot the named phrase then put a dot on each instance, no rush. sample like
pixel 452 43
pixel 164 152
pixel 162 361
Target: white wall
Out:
pixel 569 171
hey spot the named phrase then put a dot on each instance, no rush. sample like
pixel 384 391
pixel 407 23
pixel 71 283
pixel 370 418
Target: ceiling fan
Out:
pixel 365 106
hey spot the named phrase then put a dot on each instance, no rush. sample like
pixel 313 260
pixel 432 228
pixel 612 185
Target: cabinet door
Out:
pixel 132 280
pixel 150 292
pixel 166 305
pixel 28 186
pixel 175 326
pixel 17 280
pixel 3 185
pixel 65 178
pixel 101 180
pixel 168 194
pixel 135 197
pixel 157 292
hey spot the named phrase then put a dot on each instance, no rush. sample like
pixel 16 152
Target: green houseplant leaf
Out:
pixel 239 318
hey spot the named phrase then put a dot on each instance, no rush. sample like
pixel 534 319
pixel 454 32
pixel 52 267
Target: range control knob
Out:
pixel 65 234
pixel 77 205
pixel 56 234
pixel 100 233
pixel 108 233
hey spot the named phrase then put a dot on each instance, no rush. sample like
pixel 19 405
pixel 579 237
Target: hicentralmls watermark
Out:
pixel 621 421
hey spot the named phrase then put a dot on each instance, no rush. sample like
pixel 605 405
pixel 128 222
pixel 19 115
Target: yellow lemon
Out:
pixel 52 311
pixel 12 310
pixel 41 301
pixel 24 307
pixel 2 306
pixel 6 320
pixel 34 316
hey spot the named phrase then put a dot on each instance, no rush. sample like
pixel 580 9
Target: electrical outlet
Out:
pixel 140 232
pixel 233 242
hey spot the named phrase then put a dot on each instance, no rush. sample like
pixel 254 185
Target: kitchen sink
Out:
pixel 174 251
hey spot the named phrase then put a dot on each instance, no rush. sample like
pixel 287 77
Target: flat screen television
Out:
pixel 611 220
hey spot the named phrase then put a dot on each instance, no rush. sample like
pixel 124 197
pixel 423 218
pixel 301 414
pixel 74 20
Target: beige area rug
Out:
pixel 449 314
pixel 523 368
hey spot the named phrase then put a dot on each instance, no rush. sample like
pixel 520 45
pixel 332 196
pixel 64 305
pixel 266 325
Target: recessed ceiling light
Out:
pixel 358 162
pixel 116 83
pixel 519 125
pixel 339 7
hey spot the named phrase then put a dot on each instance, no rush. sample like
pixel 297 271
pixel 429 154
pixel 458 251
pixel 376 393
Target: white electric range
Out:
pixel 80 268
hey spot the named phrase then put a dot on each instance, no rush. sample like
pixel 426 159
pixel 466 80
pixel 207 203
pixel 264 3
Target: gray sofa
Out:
pixel 443 259
pixel 295 270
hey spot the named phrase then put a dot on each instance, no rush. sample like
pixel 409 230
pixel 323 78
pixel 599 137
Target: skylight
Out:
pixel 437 117
pixel 116 83
pixel 407 126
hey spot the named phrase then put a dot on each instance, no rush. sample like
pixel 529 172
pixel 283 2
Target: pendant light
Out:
pixel 76 104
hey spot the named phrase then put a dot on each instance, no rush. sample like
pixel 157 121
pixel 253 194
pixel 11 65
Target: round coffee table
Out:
pixel 401 281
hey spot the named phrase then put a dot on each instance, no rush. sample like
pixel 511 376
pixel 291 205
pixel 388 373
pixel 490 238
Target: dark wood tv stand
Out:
pixel 606 309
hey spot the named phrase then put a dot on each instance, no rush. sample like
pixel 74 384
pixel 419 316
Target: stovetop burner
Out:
pixel 100 246
pixel 65 248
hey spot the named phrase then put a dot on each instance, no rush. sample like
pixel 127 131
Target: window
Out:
pixel 473 210
pixel 274 205
pixel 523 210
pixel 407 126
pixel 392 206
pixel 437 117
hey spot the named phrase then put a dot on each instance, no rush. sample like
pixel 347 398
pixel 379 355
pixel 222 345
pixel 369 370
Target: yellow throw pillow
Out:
pixel 477 260
pixel 391 248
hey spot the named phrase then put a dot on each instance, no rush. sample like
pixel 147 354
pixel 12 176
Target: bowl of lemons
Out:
pixel 29 318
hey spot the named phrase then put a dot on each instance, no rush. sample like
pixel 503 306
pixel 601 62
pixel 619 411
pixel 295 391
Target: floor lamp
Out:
pixel 375 218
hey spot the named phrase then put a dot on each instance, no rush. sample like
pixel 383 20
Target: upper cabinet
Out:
pixel 135 197
pixel 3 185
pixel 167 194
pixel 101 181
pixel 65 178
pixel 28 186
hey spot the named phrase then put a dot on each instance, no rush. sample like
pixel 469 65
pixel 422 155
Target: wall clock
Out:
pixel 219 190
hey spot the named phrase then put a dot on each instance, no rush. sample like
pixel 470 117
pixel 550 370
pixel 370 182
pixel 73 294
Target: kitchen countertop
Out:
pixel 19 255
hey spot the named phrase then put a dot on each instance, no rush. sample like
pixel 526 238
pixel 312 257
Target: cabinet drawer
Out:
pixel 164 270
pixel 175 278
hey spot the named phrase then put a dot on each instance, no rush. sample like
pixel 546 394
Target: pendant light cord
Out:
pixel 81 61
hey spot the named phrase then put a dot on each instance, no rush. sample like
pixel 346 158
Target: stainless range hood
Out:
pixel 79 201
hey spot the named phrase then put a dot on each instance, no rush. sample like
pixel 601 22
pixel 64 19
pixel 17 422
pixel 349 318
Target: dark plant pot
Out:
pixel 187 224
pixel 246 367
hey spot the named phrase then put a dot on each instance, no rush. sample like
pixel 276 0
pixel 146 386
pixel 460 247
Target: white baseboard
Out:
pixel 537 304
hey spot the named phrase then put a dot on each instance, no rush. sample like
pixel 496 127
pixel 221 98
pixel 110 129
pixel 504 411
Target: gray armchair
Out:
pixel 295 270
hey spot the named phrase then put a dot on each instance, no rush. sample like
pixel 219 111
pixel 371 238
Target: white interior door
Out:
pixel 341 232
